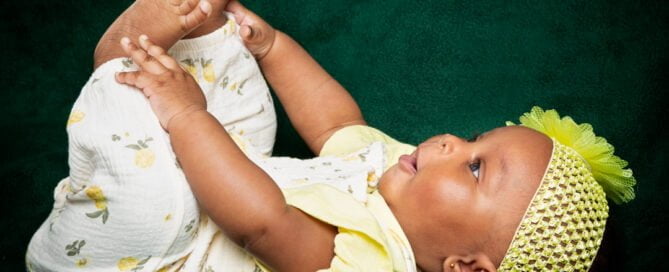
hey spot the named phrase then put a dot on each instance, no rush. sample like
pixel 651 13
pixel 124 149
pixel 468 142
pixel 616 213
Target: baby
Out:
pixel 517 198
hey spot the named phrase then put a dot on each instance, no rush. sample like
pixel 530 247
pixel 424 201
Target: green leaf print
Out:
pixel 225 82
pixel 239 90
pixel 144 261
pixel 140 264
pixel 133 146
pixel 127 63
pixel 142 144
pixel 104 213
pixel 74 248
pixel 95 214
pixel 189 227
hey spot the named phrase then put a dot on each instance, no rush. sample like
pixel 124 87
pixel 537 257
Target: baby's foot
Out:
pixel 165 20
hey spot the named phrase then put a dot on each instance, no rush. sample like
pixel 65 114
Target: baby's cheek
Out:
pixel 448 193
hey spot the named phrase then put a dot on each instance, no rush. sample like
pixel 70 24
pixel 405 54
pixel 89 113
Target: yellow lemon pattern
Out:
pixel 75 117
pixel 82 262
pixel 208 70
pixel 230 27
pixel 144 157
pixel 95 193
pixel 131 263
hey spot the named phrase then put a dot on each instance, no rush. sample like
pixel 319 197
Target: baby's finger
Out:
pixel 142 58
pixel 183 7
pixel 158 53
pixel 197 16
pixel 137 79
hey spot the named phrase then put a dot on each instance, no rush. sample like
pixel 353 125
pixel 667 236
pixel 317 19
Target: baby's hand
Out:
pixel 171 91
pixel 257 34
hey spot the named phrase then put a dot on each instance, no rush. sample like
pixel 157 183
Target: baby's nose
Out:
pixel 445 143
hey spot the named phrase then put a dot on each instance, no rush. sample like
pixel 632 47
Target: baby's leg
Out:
pixel 126 204
pixel 236 92
pixel 165 21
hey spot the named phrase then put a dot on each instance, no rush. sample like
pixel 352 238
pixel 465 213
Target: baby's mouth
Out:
pixel 409 163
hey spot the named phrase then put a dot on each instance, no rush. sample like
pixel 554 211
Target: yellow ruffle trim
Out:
pixel 607 168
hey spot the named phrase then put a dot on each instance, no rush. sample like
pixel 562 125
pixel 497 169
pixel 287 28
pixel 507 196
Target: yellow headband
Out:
pixel 564 223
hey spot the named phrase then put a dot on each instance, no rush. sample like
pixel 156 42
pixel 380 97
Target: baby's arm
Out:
pixel 225 182
pixel 316 103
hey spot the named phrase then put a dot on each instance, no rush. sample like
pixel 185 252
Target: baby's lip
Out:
pixel 408 163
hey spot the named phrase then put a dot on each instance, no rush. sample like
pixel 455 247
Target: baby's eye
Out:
pixel 475 168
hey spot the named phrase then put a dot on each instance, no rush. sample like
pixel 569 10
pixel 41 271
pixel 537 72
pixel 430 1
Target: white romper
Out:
pixel 126 205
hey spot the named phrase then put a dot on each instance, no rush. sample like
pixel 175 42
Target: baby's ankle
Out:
pixel 164 23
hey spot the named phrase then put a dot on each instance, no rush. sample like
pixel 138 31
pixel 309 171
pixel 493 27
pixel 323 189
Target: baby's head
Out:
pixel 493 201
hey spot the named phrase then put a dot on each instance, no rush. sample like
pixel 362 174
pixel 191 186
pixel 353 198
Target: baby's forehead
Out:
pixel 524 151
pixel 519 132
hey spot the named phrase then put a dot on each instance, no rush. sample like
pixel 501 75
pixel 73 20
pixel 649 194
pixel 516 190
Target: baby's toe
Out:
pixel 192 13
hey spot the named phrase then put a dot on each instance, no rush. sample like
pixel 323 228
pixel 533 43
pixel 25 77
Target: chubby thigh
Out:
pixel 126 203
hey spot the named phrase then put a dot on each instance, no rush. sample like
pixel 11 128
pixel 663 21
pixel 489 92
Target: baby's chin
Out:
pixel 389 181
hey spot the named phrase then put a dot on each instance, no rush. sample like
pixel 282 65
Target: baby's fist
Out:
pixel 257 34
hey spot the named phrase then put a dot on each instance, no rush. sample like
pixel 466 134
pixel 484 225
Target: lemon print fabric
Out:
pixel 230 27
pixel 131 263
pixel 232 86
pixel 95 193
pixel 144 157
pixel 208 70
pixel 74 249
pixel 189 66
pixel 75 117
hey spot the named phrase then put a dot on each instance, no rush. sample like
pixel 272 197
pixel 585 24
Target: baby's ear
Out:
pixel 471 263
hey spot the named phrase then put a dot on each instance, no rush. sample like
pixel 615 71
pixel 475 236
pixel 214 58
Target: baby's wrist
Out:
pixel 273 33
pixel 272 48
pixel 185 117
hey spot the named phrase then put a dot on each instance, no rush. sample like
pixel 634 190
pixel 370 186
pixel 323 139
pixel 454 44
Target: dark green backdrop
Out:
pixel 416 68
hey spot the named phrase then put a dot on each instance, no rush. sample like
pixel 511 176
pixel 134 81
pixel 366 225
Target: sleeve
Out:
pixel 360 244
pixel 352 138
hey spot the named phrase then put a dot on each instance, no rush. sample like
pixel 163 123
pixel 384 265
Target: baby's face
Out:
pixel 453 196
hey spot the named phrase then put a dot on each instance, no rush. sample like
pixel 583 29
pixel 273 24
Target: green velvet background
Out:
pixel 416 68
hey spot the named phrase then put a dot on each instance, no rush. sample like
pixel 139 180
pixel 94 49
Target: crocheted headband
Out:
pixel 564 223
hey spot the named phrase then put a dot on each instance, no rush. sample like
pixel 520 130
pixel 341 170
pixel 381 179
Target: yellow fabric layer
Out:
pixel 369 238
pixel 352 138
